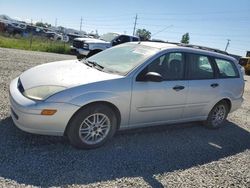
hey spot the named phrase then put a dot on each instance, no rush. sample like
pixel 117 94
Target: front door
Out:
pixel 158 102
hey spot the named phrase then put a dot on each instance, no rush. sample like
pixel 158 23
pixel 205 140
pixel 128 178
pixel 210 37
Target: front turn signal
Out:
pixel 48 112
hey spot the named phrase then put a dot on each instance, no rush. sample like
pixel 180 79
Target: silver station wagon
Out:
pixel 131 85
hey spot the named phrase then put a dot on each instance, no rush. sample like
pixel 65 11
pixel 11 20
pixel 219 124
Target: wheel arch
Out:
pixel 112 106
pixel 228 102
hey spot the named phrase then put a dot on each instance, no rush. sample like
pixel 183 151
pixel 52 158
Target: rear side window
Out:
pixel 226 69
pixel 199 67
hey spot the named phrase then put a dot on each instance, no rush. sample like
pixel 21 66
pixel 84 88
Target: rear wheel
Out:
pixel 217 115
pixel 92 126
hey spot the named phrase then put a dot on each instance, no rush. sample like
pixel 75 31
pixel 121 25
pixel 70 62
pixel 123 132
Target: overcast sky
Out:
pixel 209 22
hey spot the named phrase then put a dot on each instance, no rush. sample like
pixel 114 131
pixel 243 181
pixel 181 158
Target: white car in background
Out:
pixel 86 47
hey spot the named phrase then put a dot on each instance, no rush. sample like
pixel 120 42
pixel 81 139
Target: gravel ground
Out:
pixel 183 155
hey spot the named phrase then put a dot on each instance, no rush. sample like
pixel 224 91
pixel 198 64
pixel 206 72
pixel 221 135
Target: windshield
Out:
pixel 123 58
pixel 109 36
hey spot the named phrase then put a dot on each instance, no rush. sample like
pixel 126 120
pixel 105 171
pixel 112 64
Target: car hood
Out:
pixel 91 40
pixel 83 39
pixel 68 74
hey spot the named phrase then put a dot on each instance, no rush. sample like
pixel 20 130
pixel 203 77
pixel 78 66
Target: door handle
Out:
pixel 214 85
pixel 178 88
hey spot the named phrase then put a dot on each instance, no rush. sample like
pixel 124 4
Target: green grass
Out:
pixel 38 44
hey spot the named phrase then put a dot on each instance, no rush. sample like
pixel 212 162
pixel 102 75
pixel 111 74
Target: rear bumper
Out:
pixel 236 104
pixel 26 114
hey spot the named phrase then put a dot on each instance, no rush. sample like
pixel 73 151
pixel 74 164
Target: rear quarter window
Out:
pixel 227 69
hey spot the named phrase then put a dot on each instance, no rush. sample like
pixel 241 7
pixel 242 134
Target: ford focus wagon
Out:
pixel 131 85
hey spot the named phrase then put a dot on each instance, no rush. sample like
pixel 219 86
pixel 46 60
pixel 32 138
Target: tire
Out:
pixel 92 126
pixel 217 116
pixel 79 56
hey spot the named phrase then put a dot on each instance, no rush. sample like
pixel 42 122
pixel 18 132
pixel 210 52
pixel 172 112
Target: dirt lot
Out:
pixel 184 155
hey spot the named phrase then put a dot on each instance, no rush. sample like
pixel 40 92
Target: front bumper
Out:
pixel 73 50
pixel 83 52
pixel 26 114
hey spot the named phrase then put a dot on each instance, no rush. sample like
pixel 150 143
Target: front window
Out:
pixel 123 58
pixel 109 36
pixel 170 66
pixel 121 39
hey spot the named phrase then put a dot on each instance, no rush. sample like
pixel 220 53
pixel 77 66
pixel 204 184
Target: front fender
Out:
pixel 90 97
pixel 121 102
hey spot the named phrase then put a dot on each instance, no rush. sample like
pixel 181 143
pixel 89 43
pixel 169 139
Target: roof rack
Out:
pixel 203 48
pixel 192 46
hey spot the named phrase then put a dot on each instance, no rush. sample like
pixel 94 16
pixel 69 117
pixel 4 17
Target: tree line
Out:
pixel 145 35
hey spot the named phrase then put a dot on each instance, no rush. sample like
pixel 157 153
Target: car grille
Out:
pixel 20 86
pixel 78 44
pixel 14 114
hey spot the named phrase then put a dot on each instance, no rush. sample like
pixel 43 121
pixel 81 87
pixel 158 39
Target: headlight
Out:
pixel 42 92
pixel 85 46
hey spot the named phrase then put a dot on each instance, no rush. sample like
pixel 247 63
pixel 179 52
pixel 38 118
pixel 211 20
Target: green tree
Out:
pixel 143 34
pixel 185 38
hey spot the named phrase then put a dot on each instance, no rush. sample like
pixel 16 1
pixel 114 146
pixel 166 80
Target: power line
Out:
pixel 161 30
pixel 195 13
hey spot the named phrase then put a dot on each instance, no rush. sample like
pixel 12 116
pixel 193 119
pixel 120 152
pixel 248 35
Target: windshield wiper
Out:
pixel 95 65
pixel 86 63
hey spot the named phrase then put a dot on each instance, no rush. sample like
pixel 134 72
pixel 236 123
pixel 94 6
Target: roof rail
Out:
pixel 203 48
pixel 192 46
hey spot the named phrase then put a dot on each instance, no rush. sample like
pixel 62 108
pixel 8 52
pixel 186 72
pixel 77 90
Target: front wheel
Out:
pixel 217 115
pixel 92 126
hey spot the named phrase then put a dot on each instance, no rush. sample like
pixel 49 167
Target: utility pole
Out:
pixel 161 30
pixel 228 42
pixel 56 22
pixel 135 25
pixel 81 24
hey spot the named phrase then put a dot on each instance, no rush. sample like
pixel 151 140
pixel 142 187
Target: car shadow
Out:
pixel 51 161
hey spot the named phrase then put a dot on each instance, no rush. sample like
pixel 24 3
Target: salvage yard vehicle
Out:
pixel 131 85
pixel 86 47
pixel 245 62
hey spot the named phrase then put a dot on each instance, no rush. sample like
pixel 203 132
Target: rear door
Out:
pixel 204 87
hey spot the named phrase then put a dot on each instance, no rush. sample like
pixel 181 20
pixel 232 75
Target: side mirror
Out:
pixel 153 77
